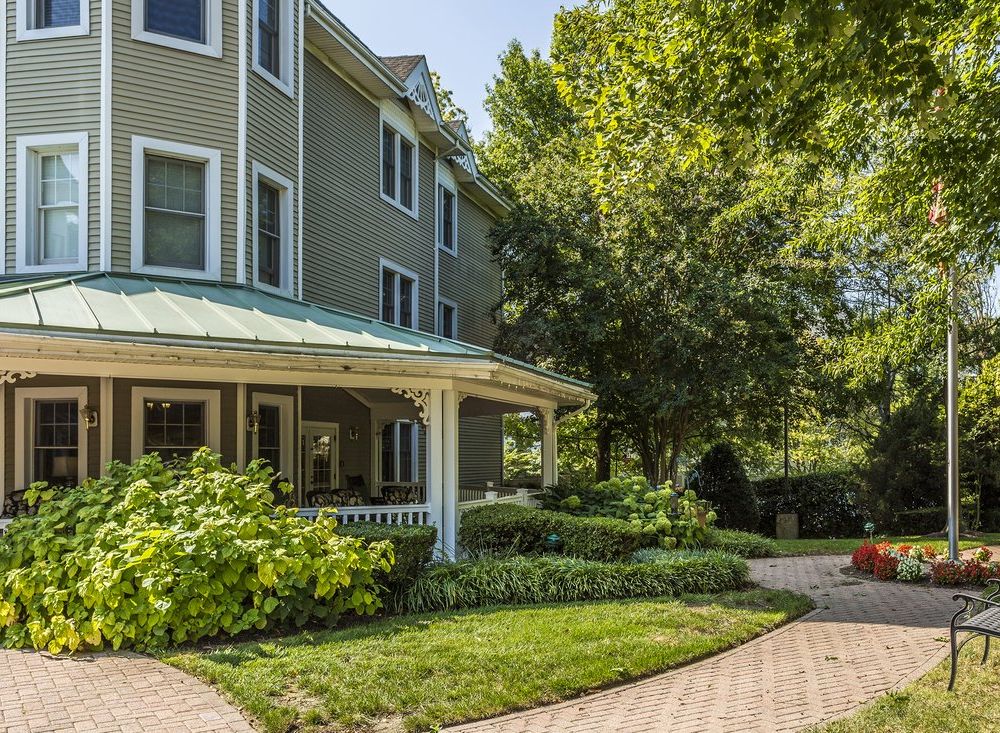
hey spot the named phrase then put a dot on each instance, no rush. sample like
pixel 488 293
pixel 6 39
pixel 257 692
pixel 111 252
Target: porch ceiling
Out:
pixel 136 310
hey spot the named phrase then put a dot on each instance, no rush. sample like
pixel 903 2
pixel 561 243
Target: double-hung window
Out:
pixel 52 202
pixel 272 201
pixel 447 218
pixel 272 50
pixel 50 437
pixel 176 202
pixel 187 25
pixel 399 295
pixel 399 452
pixel 447 317
pixel 174 422
pixel 52 18
pixel 274 438
pixel 399 169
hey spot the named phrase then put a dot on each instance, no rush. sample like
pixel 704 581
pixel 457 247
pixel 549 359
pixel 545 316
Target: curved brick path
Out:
pixel 109 693
pixel 864 639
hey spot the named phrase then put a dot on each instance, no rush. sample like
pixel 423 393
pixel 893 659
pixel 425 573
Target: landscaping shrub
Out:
pixel 412 546
pixel 494 581
pixel 910 569
pixel 969 572
pixel 152 555
pixel 743 544
pixel 885 566
pixel 863 558
pixel 646 507
pixel 723 482
pixel 507 528
pixel 827 504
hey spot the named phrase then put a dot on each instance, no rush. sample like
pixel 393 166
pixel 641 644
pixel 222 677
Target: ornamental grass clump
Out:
pixel 152 555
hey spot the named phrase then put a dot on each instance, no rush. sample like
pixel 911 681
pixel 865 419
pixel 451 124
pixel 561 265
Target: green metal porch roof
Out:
pixel 139 309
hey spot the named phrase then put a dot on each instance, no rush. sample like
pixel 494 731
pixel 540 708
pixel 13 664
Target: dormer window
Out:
pixel 399 169
pixel 52 18
pixel 187 25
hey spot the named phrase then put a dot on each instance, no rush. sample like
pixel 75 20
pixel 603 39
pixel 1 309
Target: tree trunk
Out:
pixel 603 450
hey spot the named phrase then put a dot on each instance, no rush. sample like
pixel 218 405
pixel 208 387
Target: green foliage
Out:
pixel 149 556
pixel 741 544
pixel 493 581
pixel 828 504
pixel 723 482
pixel 510 528
pixel 646 509
pixel 412 546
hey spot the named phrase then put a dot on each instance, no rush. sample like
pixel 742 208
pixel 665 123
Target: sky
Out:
pixel 461 38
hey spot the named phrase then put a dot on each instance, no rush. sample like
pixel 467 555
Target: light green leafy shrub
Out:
pixel 648 509
pixel 511 528
pixel 744 544
pixel 495 581
pixel 152 555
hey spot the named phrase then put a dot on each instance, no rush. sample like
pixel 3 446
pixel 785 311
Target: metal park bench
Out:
pixel 980 617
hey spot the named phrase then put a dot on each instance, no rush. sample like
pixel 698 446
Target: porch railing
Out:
pixel 477 492
pixel 524 497
pixel 397 514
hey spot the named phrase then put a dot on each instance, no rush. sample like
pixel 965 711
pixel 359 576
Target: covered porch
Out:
pixel 383 423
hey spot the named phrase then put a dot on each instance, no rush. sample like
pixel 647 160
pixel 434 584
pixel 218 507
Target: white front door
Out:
pixel 321 457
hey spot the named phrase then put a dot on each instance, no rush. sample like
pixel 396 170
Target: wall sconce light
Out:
pixel 90 416
pixel 253 422
pixel 354 432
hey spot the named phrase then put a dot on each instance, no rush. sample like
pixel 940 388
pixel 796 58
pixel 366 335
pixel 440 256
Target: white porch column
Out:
pixel 435 460
pixel 449 473
pixel 550 451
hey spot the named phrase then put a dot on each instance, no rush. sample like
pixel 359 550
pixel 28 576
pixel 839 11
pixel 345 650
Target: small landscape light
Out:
pixel 553 543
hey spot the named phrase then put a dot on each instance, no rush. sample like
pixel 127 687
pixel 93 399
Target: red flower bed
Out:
pixel 864 558
pixel 946 572
pixel 885 567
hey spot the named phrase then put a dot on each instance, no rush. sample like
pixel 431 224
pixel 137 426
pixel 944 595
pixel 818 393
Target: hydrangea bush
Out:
pixel 646 508
pixel 152 555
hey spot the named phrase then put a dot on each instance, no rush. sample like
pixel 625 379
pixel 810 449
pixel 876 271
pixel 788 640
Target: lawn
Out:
pixel 417 672
pixel 847 546
pixel 926 706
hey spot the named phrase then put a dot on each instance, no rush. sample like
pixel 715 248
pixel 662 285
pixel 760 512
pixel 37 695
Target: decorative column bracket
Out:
pixel 420 398
pixel 9 377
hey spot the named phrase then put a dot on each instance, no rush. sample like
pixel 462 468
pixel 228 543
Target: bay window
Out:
pixel 52 18
pixel 272 233
pixel 399 169
pixel 273 38
pixel 187 25
pixel 399 295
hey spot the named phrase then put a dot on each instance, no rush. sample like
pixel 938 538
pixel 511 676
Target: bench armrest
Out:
pixel 968 598
pixel 992 594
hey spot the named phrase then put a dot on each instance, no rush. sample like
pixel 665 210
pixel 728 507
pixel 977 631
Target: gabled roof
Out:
pixel 136 309
pixel 402 66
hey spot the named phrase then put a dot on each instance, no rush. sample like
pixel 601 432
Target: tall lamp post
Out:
pixel 938 217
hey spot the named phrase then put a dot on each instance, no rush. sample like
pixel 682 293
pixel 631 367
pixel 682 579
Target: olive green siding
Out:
pixel 473 278
pixel 272 135
pixel 348 226
pixel 53 85
pixel 174 95
pixel 480 449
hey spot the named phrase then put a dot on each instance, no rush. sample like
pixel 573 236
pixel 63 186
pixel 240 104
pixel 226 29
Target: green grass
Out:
pixel 847 546
pixel 417 672
pixel 926 706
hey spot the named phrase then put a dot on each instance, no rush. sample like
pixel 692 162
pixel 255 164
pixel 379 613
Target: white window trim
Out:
pixel 404 128
pixel 287 194
pixel 213 412
pixel 446 180
pixel 414 453
pixel 383 265
pixel 284 82
pixel 213 206
pixel 212 47
pixel 27 146
pixel 454 317
pixel 25 19
pixel 286 414
pixel 24 429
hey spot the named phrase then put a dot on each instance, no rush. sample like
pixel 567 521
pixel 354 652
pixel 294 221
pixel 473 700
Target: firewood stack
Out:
pixel 14 505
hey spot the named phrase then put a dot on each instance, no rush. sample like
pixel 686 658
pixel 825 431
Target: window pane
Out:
pixel 175 206
pixel 446 320
pixel 269 435
pixel 389 452
pixel 268 234
pixel 179 18
pixel 405 451
pixel 448 216
pixel 406 174
pixel 268 35
pixel 388 162
pixel 56 13
pixel 59 234
pixel 405 302
pixel 58 178
pixel 175 240
pixel 55 453
pixel 388 296
pixel 174 428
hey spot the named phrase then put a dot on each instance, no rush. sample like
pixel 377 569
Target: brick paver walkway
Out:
pixel 107 693
pixel 863 640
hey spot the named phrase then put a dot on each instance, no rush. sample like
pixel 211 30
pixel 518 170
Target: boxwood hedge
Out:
pixel 412 545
